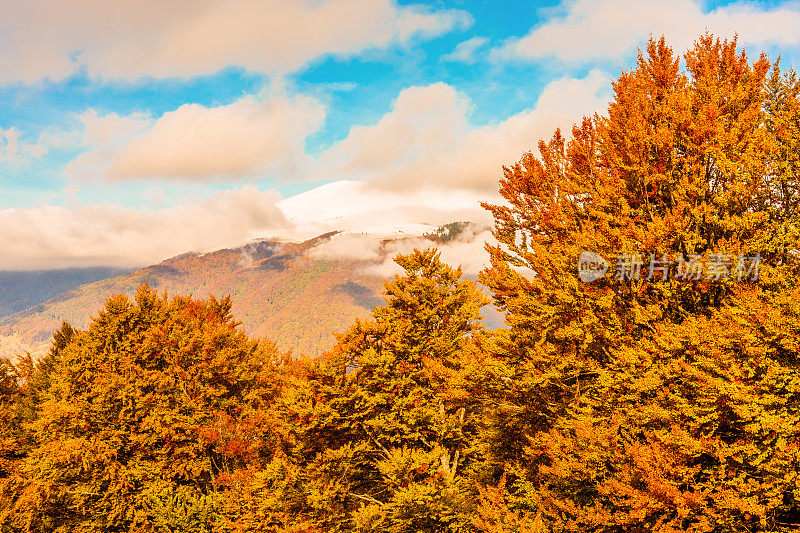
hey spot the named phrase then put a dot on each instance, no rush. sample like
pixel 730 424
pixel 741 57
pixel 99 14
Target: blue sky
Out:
pixel 118 120
pixel 356 90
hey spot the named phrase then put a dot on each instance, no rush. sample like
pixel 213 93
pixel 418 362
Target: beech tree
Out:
pixel 386 425
pixel 644 403
pixel 11 416
pixel 145 416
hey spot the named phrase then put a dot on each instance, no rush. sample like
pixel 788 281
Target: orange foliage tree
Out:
pixel 385 427
pixel 644 403
pixel 143 421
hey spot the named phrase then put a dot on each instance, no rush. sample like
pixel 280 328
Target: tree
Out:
pixel 647 403
pixel 384 426
pixel 146 415
pixel 11 416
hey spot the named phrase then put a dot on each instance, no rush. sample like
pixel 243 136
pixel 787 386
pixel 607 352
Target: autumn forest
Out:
pixel 631 403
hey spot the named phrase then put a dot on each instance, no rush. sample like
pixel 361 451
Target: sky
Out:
pixel 133 131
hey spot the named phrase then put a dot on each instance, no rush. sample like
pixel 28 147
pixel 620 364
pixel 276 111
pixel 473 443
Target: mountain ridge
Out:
pixel 294 293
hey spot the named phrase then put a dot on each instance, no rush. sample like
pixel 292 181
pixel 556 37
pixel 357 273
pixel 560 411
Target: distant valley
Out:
pixel 22 290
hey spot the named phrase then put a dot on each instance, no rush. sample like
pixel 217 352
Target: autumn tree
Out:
pixel 641 402
pixel 386 424
pixel 11 417
pixel 144 417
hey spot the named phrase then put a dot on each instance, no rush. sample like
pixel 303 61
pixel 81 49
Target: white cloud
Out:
pixel 468 253
pixel 252 136
pixel 54 237
pixel 111 128
pixel 354 206
pixel 425 141
pixel 423 120
pixel 9 145
pixel 105 136
pixel 130 39
pixel 465 51
pixel 14 150
pixel 377 255
pixel 594 29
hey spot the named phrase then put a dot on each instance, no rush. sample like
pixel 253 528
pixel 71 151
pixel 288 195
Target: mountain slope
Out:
pixel 22 290
pixel 295 294
pixel 277 289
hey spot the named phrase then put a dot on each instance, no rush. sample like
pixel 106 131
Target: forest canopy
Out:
pixel 628 403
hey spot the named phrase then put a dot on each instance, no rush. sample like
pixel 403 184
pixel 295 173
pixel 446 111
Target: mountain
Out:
pixel 22 290
pixel 295 294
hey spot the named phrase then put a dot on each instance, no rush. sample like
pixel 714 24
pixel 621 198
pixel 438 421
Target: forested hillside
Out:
pixel 661 395
pixel 277 290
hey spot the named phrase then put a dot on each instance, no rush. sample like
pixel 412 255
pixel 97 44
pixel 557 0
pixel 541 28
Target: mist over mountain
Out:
pixel 294 293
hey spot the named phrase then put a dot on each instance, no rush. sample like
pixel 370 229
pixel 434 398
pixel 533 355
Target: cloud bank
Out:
pixel 425 140
pixel 467 252
pixel 355 206
pixel 185 38
pixel 253 136
pixel 606 29
pixel 110 235
pixel 56 237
